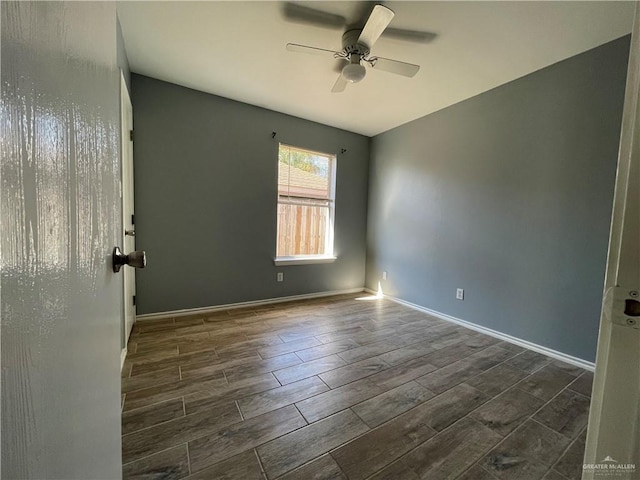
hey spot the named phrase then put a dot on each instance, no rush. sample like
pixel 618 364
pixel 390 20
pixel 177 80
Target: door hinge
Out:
pixel 134 300
pixel 133 219
pixel 131 135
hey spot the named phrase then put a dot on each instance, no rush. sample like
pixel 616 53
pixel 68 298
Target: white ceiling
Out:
pixel 236 49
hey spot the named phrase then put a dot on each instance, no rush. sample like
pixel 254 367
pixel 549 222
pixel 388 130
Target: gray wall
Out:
pixel 60 215
pixel 507 195
pixel 205 200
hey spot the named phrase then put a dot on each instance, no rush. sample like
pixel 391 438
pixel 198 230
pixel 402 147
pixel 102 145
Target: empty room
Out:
pixel 320 240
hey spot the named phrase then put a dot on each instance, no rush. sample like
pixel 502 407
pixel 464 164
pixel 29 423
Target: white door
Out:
pixel 612 439
pixel 128 227
pixel 60 216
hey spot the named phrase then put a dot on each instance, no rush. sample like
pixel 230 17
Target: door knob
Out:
pixel 137 259
pixel 131 233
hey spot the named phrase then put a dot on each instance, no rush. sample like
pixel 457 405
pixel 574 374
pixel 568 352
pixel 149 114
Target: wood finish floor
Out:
pixel 340 388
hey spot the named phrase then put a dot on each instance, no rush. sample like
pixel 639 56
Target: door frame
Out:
pixel 126 195
pixel 614 423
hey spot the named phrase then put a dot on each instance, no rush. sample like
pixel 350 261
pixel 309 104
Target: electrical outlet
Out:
pixel 280 277
pixel 460 294
pixel 384 275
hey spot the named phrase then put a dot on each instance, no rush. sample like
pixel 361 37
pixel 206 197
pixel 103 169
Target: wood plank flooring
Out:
pixel 344 388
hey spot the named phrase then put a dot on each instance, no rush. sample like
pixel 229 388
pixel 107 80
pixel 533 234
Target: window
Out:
pixel 306 193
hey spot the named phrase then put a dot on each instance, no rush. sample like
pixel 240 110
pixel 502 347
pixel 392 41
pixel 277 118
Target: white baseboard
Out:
pixel 123 355
pixel 494 333
pixel 253 303
pixel 373 292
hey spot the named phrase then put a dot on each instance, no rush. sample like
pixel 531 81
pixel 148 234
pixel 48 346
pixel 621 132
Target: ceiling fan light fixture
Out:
pixel 354 72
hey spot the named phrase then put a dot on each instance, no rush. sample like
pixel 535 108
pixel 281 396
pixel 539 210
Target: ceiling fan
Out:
pixel 357 44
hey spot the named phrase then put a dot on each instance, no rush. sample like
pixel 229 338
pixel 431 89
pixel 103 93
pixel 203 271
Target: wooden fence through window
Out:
pixel 302 229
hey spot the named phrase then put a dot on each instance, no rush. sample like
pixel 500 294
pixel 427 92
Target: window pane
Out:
pixel 303 174
pixel 305 202
pixel 302 229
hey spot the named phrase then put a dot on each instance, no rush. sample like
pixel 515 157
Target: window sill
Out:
pixel 285 261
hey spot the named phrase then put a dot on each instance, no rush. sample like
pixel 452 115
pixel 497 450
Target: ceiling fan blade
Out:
pixel 339 64
pixel 394 66
pixel 340 85
pixel 409 35
pixel 378 20
pixel 297 13
pixel 294 47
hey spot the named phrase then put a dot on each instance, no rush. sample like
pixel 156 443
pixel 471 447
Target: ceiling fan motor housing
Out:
pixel 351 46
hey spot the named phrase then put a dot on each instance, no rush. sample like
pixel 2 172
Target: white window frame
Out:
pixel 329 256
